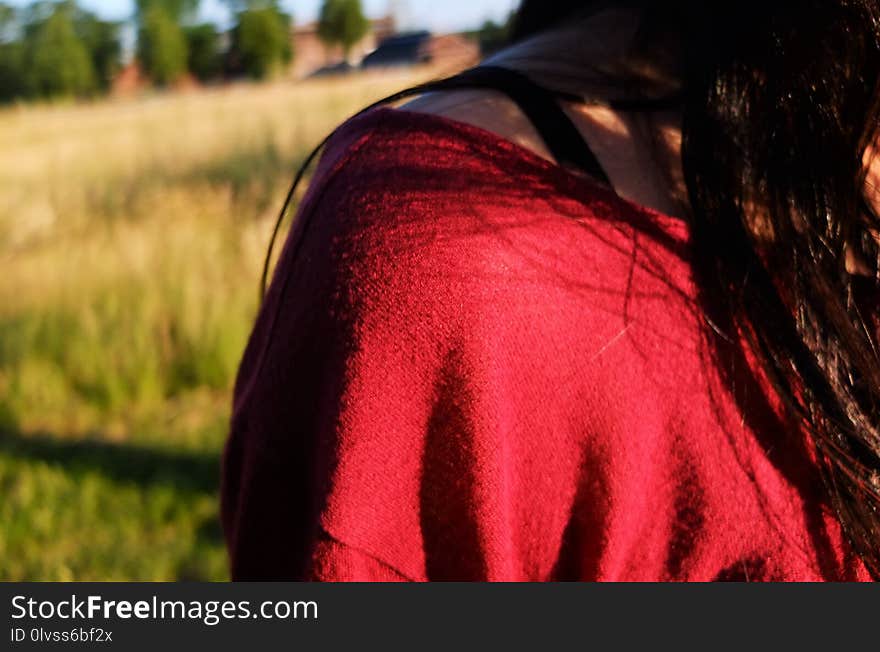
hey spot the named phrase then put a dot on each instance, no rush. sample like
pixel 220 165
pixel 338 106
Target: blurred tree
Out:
pixel 55 60
pixel 50 48
pixel 342 22
pixel 101 39
pixel 492 36
pixel 178 10
pixel 161 48
pixel 12 78
pixel 205 59
pixel 261 40
pixel 12 83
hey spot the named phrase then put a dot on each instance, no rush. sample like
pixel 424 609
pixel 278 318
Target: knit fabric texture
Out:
pixel 472 364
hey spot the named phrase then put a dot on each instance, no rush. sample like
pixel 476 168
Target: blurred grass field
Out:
pixel 131 241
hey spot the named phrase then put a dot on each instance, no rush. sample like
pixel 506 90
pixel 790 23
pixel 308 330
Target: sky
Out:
pixel 436 15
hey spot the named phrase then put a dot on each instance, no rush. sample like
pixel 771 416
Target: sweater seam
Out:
pixel 361 551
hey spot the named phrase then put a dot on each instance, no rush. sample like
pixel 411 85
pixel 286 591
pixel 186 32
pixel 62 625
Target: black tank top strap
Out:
pixel 540 106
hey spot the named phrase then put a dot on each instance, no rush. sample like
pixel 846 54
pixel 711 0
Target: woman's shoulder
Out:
pixel 412 209
pixel 396 182
pixel 433 231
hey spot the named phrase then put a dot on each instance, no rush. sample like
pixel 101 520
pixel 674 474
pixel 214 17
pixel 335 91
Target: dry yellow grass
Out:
pixel 64 162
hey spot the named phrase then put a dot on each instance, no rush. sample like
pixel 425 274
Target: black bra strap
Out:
pixel 541 107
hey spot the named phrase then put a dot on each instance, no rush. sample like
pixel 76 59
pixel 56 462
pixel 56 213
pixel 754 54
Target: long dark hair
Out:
pixel 781 103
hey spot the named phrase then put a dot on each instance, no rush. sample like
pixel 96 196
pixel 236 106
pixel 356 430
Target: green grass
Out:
pixel 95 510
pixel 113 407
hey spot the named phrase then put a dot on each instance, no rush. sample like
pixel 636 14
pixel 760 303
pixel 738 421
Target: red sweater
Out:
pixel 473 364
